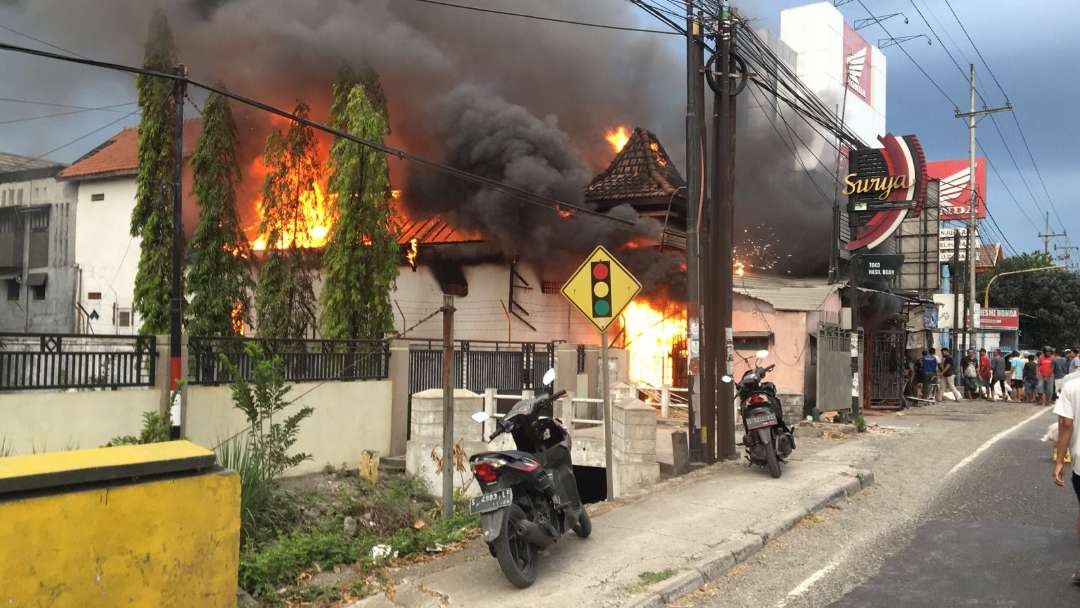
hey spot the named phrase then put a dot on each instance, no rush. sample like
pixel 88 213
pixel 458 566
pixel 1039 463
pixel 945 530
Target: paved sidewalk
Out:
pixel 698 526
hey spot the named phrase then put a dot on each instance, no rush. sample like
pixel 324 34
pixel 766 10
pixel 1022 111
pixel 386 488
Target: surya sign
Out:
pixel 885 185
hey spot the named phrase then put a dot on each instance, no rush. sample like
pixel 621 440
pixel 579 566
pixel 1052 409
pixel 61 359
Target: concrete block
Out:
pixel 778 523
pixel 679 585
pixel 652 600
pixel 680 452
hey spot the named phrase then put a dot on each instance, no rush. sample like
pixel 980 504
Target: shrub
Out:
pixel 156 427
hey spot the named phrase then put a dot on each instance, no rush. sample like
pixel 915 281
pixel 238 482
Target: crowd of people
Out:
pixel 992 376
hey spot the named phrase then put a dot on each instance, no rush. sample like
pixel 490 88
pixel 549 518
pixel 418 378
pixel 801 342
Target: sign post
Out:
pixel 601 288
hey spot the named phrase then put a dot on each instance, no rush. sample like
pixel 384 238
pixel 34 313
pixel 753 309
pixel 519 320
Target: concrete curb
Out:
pixel 736 550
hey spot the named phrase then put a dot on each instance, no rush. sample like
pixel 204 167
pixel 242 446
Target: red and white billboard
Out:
pixel 955 176
pixel 857 56
pixel 999 318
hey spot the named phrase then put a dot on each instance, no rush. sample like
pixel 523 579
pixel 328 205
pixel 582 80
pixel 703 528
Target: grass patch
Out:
pixel 396 512
pixel 648 578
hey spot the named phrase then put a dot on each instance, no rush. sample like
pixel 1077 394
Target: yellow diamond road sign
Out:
pixel 601 288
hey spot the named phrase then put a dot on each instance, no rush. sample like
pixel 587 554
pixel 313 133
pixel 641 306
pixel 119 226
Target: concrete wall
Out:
pixel 47 421
pixel 106 253
pixel 349 417
pixel 158 542
pixel 789 348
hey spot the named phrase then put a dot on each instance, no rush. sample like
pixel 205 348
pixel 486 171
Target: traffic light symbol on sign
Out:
pixel 601 289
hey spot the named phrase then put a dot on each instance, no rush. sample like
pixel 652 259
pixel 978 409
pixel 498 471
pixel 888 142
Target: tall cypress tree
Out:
pixel 285 298
pixel 219 279
pixel 361 257
pixel 151 219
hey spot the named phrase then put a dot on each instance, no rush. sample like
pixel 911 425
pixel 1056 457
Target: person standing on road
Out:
pixel 1074 360
pixel 1046 374
pixel 948 375
pixel 985 374
pixel 1016 364
pixel 997 369
pixel 969 367
pixel 1031 379
pixel 929 375
pixel 1067 409
pixel 1061 369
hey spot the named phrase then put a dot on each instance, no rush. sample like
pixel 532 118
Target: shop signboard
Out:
pixel 885 185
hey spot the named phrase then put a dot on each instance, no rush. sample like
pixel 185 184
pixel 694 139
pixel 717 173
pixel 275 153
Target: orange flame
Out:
pixel 237 318
pixel 411 254
pixel 651 337
pixel 314 206
pixel 617 138
pixel 563 213
pixel 739 269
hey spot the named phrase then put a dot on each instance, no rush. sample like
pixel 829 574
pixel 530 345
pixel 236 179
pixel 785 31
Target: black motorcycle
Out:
pixel 530 495
pixel 767 439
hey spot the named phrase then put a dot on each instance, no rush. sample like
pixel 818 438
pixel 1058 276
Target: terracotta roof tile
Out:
pixel 433 231
pixel 642 169
pixel 119 154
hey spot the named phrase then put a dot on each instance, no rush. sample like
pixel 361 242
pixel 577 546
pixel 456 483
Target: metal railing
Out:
pixel 73 361
pixel 565 409
pixel 303 360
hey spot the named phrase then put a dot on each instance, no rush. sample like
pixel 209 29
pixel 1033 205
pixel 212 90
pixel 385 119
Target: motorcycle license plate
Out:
pixel 759 420
pixel 493 501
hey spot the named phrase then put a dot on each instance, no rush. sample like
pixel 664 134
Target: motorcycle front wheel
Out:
pixel 584 526
pixel 771 459
pixel 517 558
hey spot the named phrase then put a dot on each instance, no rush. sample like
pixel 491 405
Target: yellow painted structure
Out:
pixel 168 540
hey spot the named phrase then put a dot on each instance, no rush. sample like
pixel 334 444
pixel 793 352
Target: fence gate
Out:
pixel 507 367
pixel 834 369
pixel 886 381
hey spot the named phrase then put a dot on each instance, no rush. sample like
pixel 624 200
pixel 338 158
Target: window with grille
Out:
pixel 123 318
pixel 13 291
pixel 97 196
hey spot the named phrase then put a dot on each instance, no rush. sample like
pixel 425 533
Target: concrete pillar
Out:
pixel 633 435
pixel 399 383
pixel 426 435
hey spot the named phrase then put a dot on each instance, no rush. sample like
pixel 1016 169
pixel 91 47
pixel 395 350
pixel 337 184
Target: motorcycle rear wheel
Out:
pixel 584 526
pixel 516 557
pixel 772 462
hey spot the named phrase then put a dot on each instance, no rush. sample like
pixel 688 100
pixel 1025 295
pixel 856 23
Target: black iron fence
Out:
pixel 64 361
pixel 303 360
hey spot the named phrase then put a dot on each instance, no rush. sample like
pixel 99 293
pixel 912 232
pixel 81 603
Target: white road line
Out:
pixel 996 438
pixel 812 580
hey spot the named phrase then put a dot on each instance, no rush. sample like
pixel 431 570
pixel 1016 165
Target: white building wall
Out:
pixel 816 33
pixel 106 254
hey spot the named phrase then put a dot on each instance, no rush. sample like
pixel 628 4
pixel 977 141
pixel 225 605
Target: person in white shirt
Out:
pixel 1067 409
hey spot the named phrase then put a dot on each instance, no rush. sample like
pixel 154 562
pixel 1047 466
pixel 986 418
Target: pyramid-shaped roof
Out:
pixel 642 175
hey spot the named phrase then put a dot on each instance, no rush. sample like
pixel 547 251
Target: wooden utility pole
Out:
pixel 1049 234
pixel 448 406
pixel 721 233
pixel 972 117
pixel 695 202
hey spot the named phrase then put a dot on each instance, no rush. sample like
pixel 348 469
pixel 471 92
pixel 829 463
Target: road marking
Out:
pixel 996 438
pixel 812 580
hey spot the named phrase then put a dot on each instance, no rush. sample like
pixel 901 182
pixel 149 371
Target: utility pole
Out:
pixel 955 276
pixel 605 391
pixel 177 295
pixel 695 191
pixel 1066 253
pixel 448 406
pixel 721 232
pixel 1049 234
pixel 972 117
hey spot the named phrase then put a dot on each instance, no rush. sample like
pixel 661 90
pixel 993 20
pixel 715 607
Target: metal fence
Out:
pixel 211 361
pixel 65 361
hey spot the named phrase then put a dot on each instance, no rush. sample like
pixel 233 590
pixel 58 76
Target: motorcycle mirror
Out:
pixel 761 354
pixel 726 379
pixel 549 376
pixel 480 416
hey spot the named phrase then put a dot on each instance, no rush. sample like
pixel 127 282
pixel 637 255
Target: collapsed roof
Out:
pixel 643 176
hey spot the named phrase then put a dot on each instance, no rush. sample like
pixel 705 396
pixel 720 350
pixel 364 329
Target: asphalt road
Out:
pixel 995 532
pixel 1001 533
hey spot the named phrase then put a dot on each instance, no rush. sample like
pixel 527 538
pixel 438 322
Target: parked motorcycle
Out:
pixel 767 439
pixel 530 496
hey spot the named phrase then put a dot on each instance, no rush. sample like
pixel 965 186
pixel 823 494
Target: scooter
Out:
pixel 767 439
pixel 530 496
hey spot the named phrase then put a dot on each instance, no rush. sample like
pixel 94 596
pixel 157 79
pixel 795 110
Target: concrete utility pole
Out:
pixel 177 295
pixel 448 406
pixel 955 276
pixel 695 199
pixel 972 117
pixel 1049 234
pixel 721 232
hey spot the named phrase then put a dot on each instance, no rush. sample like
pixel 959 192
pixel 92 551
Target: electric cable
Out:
pixel 26 119
pixel 549 19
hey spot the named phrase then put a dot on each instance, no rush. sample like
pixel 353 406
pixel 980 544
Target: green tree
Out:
pixel 151 219
pixel 219 280
pixel 1049 301
pixel 285 298
pixel 361 257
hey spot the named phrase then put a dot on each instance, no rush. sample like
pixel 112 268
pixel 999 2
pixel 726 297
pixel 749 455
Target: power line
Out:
pixel 79 138
pixel 68 113
pixel 977 51
pixel 549 19
pixel 519 193
pixel 38 102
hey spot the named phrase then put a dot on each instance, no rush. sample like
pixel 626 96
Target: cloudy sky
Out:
pixel 1031 52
